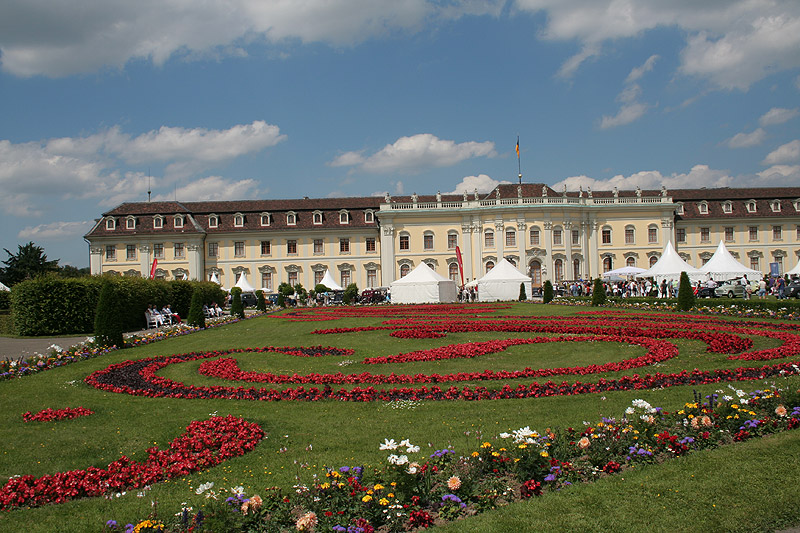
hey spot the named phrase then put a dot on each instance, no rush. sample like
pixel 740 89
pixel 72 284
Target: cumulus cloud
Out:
pixel 213 188
pixel 415 153
pixel 733 43
pixel 482 182
pixel 746 140
pixel 787 153
pixel 55 230
pixel 699 176
pixel 54 39
pixel 778 176
pixel 777 115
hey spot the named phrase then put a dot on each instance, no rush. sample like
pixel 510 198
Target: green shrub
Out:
pixel 319 287
pixel 6 324
pixel 685 293
pixel 598 293
pixel 350 294
pixel 281 300
pixel 196 317
pixel 237 309
pixel 261 303
pixel 108 328
pixel 522 295
pixel 547 293
pixel 5 300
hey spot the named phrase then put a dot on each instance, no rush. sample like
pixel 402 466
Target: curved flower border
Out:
pixel 49 415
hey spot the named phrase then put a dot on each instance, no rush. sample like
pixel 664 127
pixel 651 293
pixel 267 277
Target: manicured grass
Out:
pixel 342 433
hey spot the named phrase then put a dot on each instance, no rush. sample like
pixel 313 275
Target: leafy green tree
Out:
pixel 547 293
pixel 522 294
pixel 237 309
pixel 29 262
pixel 196 316
pixel 350 294
pixel 319 287
pixel 69 271
pixel 685 293
pixel 598 293
pixel 281 300
pixel 261 303
pixel 108 329
pixel 285 289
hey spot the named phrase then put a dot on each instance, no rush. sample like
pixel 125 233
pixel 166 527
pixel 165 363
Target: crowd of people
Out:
pixel 164 317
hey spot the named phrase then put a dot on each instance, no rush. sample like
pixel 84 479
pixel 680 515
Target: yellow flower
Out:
pixel 474 454
pixel 383 501
pixel 390 495
pixel 366 499
pixel 486 445
pixel 544 454
pixel 495 454
pixel 378 486
pixel 522 446
pixel 325 486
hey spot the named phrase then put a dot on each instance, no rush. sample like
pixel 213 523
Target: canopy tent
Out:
pixel 329 282
pixel 215 278
pixel 723 265
pixel 422 285
pixel 3 287
pixel 795 271
pixel 244 284
pixel 623 272
pixel 502 283
pixel 669 267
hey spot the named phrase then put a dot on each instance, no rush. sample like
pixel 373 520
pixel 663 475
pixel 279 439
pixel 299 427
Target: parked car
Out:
pixel 249 299
pixel 706 292
pixel 793 289
pixel 732 288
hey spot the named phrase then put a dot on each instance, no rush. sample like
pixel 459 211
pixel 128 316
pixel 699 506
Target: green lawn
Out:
pixel 751 484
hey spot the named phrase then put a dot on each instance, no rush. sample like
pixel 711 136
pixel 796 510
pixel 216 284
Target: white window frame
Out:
pixel 158 222
pixel 213 221
pixel 178 221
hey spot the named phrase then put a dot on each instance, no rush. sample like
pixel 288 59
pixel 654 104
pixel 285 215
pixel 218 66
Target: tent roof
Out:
pixel 723 264
pixel 244 284
pixel 624 271
pixel 329 282
pixel 3 287
pixel 421 274
pixel 215 278
pixel 670 264
pixel 504 271
pixel 796 270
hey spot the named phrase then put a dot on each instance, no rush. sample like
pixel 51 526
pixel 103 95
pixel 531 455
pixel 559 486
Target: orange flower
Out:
pixel 780 410
pixel 454 483
pixel 584 443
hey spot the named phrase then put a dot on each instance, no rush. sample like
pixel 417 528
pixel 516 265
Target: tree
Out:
pixel 108 318
pixel 547 293
pixel 685 293
pixel 261 303
pixel 522 294
pixel 237 309
pixel 598 293
pixel 350 294
pixel 29 262
pixel 69 271
pixel 196 316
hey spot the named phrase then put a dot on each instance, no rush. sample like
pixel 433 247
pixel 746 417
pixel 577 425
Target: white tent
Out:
pixel 624 271
pixel 669 267
pixel 215 278
pixel 244 284
pixel 723 265
pixel 793 272
pixel 502 283
pixel 422 285
pixel 3 287
pixel 329 282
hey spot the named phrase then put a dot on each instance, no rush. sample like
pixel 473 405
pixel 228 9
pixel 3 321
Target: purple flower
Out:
pixel 111 524
pixel 550 477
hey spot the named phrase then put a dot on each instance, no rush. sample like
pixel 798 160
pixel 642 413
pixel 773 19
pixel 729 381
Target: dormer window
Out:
pixel 344 217
pixel 291 218
pixel 727 207
pixel 158 222
pixel 776 206
pixel 679 209
pixel 317 217
pixel 702 208
pixel 178 221
pixel 111 224
pixel 130 223
pixel 751 206
pixel 213 221
pixel 369 217
pixel 238 220
pixel 265 219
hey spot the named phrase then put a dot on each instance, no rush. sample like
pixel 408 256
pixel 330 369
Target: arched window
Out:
pixel 265 219
pixel 452 272
pixel 631 262
pixel 576 269
pixel 213 221
pixel 344 217
pixel 317 217
pixel 535 272
pixel 404 270
pixel 653 260
pixel 489 266
pixel 558 266
pixel 369 217
pixel 238 220
pixel 291 219
pixel 513 263
pixel 607 264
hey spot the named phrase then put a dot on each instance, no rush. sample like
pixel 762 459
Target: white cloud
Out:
pixel 786 153
pixel 627 114
pixel 779 176
pixel 746 140
pixel 638 72
pixel 213 188
pixel 415 153
pixel 55 230
pixel 571 65
pixel 482 182
pixel 777 115
pixel 699 176
pixel 55 39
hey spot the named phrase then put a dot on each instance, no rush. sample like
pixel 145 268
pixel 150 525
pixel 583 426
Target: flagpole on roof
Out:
pixel 519 164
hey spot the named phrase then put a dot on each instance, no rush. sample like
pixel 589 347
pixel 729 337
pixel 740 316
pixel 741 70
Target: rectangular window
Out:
pixel 291 249
pixel 680 234
pixel 345 278
pixel 158 251
pixel 178 222
pixel 728 234
pixel 292 278
pixel 754 263
pixel 404 242
pixel 556 237
pixel 266 247
pixel 753 230
pixel 177 250
pixel 452 241
pixel 318 275
pixel 238 249
pixel 372 277
pixel 158 223
pixel 130 252
pixel 511 238
pixel 576 238
pixel 213 249
pixel 370 244
pixel 777 233
pixel 344 246
pixel 130 223
pixel 606 236
pixel 318 246
pixel 266 281
pixel 111 252
pixel 427 241
pixel 652 235
pixel 265 220
pixel 705 235
pixel 488 239
pixel 629 236
pixel 534 237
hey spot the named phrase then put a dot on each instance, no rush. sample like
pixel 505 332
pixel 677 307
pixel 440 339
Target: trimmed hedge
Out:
pixel 5 300
pixel 63 306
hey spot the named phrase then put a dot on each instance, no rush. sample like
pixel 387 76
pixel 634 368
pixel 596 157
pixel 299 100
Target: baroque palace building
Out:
pixel 372 241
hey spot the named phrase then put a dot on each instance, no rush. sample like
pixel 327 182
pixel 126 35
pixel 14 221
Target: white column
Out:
pixel 500 238
pixel 521 236
pixel 144 260
pixel 594 259
pixel 568 273
pixel 548 247
pixel 466 251
pixel 387 271
pixel 96 260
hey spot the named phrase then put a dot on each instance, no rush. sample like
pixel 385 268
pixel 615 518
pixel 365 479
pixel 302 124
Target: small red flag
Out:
pixel 460 264
pixel 153 269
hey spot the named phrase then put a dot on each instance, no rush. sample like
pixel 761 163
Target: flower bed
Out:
pixel 48 415
pixel 204 444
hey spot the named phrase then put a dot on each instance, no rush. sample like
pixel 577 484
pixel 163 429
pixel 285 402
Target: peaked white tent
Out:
pixel 3 287
pixel 624 271
pixel 502 283
pixel 669 267
pixel 421 286
pixel 723 265
pixel 215 278
pixel 329 282
pixel 795 271
pixel 244 284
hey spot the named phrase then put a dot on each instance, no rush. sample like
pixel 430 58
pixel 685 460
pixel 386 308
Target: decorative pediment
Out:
pixel 513 258
pixel 779 253
pixel 345 266
pixel 431 262
pixel 372 266
pixel 491 258
pixel 319 267
pixel 706 255
pixel 536 252
pixel 267 269
pixel 132 273
pixel 755 253
pixel 626 255
pixel 408 262
pixel 239 269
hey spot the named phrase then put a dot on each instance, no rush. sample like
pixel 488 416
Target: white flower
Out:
pixel 388 444
pixel 204 487
pixel 630 411
pixel 505 435
pixel 237 490
pixel 405 442
pixel 412 449
pixel 403 459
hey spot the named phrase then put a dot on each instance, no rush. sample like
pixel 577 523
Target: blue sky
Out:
pixel 265 99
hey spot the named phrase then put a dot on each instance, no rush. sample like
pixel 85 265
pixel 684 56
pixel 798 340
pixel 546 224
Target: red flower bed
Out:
pixel 205 444
pixel 416 334
pixel 48 415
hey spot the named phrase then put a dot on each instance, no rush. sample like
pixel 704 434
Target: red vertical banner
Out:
pixel 460 264
pixel 153 269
